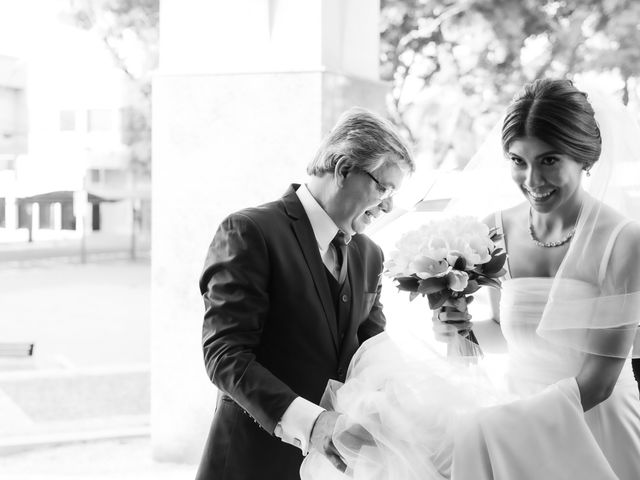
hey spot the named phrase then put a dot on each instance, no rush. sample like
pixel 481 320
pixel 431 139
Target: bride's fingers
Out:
pixel 450 315
pixel 459 303
pixel 443 332
pixel 334 457
pixel 462 327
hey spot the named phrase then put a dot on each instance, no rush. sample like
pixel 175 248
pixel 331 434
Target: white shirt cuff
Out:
pixel 297 422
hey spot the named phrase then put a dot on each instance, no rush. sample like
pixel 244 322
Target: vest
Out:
pixel 341 295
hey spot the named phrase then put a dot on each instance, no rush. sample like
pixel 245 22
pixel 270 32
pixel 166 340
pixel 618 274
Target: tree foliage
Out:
pixel 129 31
pixel 455 64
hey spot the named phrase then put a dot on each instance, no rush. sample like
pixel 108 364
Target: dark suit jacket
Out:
pixel 270 332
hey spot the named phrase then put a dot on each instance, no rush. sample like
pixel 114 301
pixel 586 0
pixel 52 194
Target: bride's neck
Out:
pixel 561 219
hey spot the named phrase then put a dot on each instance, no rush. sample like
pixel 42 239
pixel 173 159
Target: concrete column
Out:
pixel 35 217
pixel 11 213
pixel 244 93
pixel 57 216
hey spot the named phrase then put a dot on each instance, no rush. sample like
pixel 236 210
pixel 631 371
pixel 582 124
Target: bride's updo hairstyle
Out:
pixel 557 113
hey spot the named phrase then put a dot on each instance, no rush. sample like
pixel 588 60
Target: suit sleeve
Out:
pixel 375 322
pixel 234 286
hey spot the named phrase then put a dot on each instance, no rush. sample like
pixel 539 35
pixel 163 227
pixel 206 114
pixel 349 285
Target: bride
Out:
pixel 569 312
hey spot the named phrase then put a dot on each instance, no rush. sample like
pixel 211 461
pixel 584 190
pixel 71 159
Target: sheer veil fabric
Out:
pixel 415 414
pixel 605 320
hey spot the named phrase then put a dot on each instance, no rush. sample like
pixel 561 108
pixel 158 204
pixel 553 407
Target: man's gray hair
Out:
pixel 365 140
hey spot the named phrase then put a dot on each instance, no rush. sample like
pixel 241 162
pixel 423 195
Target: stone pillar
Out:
pixel 35 217
pixel 11 213
pixel 57 216
pixel 244 93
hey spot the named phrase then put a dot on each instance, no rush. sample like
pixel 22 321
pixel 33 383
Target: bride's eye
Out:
pixel 517 161
pixel 550 160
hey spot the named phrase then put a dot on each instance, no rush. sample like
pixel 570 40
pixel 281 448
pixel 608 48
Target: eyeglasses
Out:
pixel 385 191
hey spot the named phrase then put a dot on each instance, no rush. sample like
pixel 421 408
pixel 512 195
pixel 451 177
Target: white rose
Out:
pixel 480 247
pixel 435 247
pixel 453 255
pixel 457 280
pixel 426 267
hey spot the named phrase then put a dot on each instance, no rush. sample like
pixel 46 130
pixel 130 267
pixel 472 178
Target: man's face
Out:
pixel 362 197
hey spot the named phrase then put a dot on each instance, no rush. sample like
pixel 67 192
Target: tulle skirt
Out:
pixel 412 413
pixel 403 407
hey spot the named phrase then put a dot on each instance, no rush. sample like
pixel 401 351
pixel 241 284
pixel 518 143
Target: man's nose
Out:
pixel 386 205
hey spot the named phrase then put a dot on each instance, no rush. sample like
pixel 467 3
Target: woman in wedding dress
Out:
pixel 569 312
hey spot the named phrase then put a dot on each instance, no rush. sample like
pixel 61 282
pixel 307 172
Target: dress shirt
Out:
pixel 324 229
pixel 297 422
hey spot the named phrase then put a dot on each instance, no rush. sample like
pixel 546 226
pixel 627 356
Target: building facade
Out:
pixel 64 168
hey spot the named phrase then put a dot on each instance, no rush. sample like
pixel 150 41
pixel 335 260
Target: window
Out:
pixel 68 220
pixel 95 217
pixel 94 175
pixel 114 176
pixel 67 120
pixel 3 206
pixel 99 120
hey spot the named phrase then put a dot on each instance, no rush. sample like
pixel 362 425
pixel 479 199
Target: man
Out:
pixel 286 309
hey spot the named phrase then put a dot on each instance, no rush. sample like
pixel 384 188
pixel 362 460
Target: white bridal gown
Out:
pixel 419 416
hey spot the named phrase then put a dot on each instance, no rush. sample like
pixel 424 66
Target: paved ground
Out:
pixel 125 459
pixel 89 376
pixel 96 246
pixel 78 315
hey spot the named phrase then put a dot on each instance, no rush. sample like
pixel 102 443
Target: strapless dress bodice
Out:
pixel 534 361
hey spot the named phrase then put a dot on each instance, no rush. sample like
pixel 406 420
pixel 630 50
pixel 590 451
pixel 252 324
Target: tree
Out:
pixel 455 64
pixel 129 30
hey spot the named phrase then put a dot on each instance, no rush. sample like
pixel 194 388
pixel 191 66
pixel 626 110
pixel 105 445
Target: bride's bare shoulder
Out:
pixel 608 219
pixel 628 240
pixel 509 215
pixel 624 263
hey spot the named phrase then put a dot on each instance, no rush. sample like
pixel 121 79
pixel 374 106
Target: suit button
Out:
pixel 340 372
pixel 345 298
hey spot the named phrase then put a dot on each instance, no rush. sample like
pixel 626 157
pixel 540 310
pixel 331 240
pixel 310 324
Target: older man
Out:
pixel 291 289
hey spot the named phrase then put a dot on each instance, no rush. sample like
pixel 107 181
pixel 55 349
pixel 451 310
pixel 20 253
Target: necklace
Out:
pixel 548 244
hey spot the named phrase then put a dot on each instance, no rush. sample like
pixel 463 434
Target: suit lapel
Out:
pixel 309 247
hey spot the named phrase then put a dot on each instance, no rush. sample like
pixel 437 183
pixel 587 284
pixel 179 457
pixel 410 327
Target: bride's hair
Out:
pixel 555 112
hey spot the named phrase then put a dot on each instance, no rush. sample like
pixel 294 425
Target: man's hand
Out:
pixel 321 438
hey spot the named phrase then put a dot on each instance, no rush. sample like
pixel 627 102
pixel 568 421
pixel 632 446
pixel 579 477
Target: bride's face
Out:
pixel 548 179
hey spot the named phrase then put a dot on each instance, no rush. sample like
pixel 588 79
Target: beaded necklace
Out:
pixel 557 243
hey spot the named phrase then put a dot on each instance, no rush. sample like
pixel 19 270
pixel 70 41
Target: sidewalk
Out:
pixel 40 408
pixel 95 246
pixel 79 408
pixel 125 459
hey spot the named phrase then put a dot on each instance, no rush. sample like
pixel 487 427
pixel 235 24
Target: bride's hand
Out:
pixel 449 321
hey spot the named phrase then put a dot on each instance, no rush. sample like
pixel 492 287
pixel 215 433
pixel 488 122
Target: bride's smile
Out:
pixel 547 178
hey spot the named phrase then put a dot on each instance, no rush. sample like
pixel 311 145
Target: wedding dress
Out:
pixel 417 415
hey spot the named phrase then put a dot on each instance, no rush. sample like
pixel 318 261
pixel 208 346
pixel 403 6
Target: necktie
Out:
pixel 339 242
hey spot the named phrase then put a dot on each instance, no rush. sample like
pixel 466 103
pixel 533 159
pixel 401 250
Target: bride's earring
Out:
pixel 587 170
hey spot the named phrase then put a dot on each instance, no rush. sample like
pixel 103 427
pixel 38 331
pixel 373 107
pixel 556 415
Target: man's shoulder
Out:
pixel 259 212
pixel 366 245
pixel 265 216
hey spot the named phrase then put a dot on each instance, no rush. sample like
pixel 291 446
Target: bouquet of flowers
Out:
pixel 447 260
